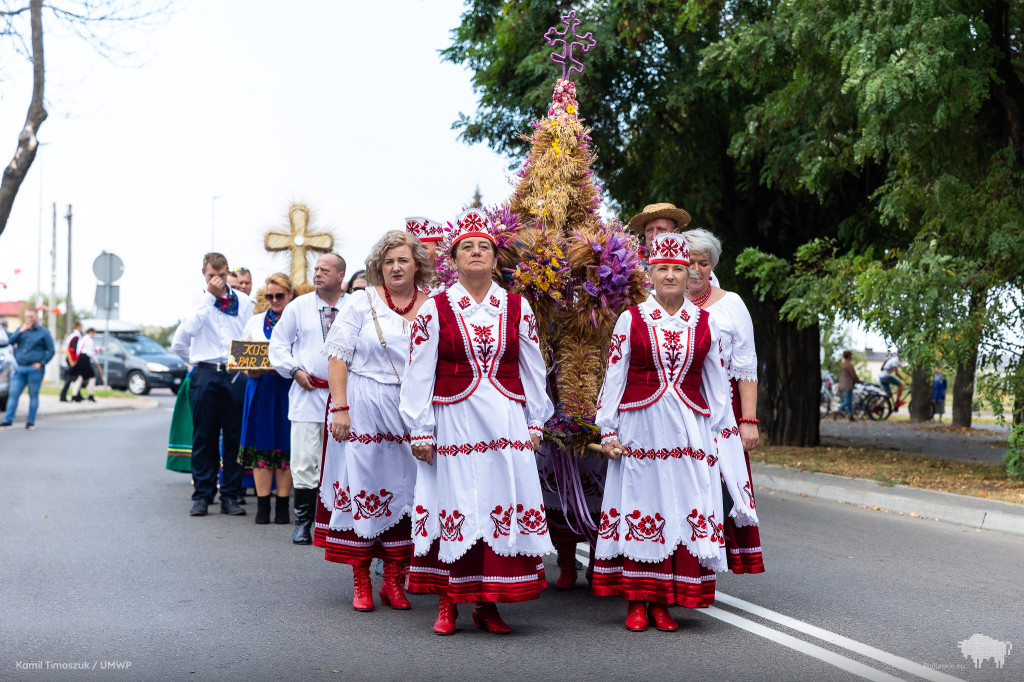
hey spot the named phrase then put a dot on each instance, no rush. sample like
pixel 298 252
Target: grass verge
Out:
pixel 898 468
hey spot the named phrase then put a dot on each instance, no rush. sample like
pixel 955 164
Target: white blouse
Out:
pixel 417 405
pixel 733 321
pixel 353 338
pixel 253 330
pixel 674 355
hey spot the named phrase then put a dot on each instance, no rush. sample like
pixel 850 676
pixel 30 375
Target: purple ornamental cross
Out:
pixel 565 58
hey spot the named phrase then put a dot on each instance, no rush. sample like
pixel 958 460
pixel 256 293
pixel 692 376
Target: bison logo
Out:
pixel 980 648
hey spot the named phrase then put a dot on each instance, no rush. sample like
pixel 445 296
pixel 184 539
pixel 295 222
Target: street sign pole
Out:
pixel 108 268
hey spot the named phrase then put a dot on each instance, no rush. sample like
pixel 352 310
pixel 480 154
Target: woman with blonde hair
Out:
pixel 367 484
pixel 266 432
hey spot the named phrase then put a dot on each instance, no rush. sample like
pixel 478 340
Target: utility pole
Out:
pixel 68 321
pixel 52 317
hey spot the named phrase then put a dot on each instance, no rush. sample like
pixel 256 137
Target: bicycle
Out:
pixel 871 401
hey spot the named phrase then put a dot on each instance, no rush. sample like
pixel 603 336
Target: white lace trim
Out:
pixel 745 550
pixel 503 551
pixel 605 439
pixel 740 374
pixel 714 560
pixel 405 511
pixel 338 352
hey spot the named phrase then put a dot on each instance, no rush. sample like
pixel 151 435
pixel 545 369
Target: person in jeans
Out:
pixel 847 380
pixel 891 375
pixel 33 348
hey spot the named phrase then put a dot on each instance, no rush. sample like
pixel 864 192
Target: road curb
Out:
pixel 135 405
pixel 958 510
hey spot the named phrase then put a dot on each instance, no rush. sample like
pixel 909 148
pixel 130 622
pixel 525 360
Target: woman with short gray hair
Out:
pixel 737 340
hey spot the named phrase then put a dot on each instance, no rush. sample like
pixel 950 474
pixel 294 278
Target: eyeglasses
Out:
pixel 240 271
pixel 275 297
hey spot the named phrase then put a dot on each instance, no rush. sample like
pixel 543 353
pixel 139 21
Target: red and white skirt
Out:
pixel 479 575
pixel 677 580
pixel 743 543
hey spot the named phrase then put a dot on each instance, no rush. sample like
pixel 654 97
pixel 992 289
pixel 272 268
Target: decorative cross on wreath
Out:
pixel 566 58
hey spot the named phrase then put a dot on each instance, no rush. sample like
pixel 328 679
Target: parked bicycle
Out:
pixel 827 396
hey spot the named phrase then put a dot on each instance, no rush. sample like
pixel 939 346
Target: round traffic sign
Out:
pixel 108 267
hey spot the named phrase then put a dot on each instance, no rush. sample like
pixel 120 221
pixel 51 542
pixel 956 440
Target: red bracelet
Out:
pixel 342 408
pixel 744 420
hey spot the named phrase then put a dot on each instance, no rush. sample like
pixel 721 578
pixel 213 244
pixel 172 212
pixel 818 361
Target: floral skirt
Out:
pixel 266 431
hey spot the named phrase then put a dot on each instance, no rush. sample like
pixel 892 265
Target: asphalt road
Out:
pixel 101 565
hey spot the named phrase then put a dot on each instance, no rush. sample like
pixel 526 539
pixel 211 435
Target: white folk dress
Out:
pixel 662 510
pixel 742 535
pixel 483 484
pixel 368 482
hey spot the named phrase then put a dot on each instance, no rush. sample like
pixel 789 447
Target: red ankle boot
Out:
pixel 662 620
pixel 486 617
pixel 447 612
pixel 362 597
pixel 636 616
pixel 391 593
pixel 567 564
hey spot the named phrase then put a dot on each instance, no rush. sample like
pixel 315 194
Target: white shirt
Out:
pixel 205 335
pixel 733 321
pixel 86 346
pixel 253 330
pixel 353 338
pixel 295 344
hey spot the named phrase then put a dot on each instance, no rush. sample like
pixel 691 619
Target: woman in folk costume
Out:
pixel 475 405
pixel 664 399
pixel 742 542
pixel 371 480
pixel 265 446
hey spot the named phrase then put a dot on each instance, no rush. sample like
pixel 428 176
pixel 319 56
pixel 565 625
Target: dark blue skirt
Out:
pixel 266 431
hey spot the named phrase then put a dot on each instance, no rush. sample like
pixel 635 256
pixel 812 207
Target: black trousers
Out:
pixel 217 399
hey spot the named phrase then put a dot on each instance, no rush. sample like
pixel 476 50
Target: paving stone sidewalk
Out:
pixel 985 444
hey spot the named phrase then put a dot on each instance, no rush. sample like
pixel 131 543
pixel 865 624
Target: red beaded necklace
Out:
pixel 391 304
pixel 699 301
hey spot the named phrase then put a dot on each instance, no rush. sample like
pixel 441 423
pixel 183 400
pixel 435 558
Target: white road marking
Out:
pixel 831 637
pixel 839 661
pixel 848 664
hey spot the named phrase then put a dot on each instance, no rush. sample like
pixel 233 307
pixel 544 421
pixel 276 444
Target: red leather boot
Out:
pixel 362 597
pixel 447 612
pixel 391 593
pixel 636 616
pixel 661 617
pixel 567 564
pixel 486 617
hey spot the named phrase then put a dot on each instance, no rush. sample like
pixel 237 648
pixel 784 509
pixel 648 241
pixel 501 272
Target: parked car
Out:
pixel 138 363
pixel 6 368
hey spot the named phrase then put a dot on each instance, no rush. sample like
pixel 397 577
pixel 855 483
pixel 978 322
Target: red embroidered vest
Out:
pixel 458 367
pixel 649 377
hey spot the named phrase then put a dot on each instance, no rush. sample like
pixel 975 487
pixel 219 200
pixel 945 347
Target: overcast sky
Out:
pixel 344 105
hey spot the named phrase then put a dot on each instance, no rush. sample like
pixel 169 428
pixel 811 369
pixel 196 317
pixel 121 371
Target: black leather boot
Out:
pixel 305 510
pixel 262 509
pixel 281 515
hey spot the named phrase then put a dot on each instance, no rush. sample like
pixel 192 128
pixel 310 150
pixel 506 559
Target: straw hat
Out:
pixel 652 211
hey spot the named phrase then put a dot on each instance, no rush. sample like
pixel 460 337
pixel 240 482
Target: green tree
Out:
pixel 665 130
pixel 927 97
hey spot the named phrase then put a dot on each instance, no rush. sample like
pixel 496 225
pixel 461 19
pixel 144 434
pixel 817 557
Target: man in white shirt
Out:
pixel 295 351
pixel 203 339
